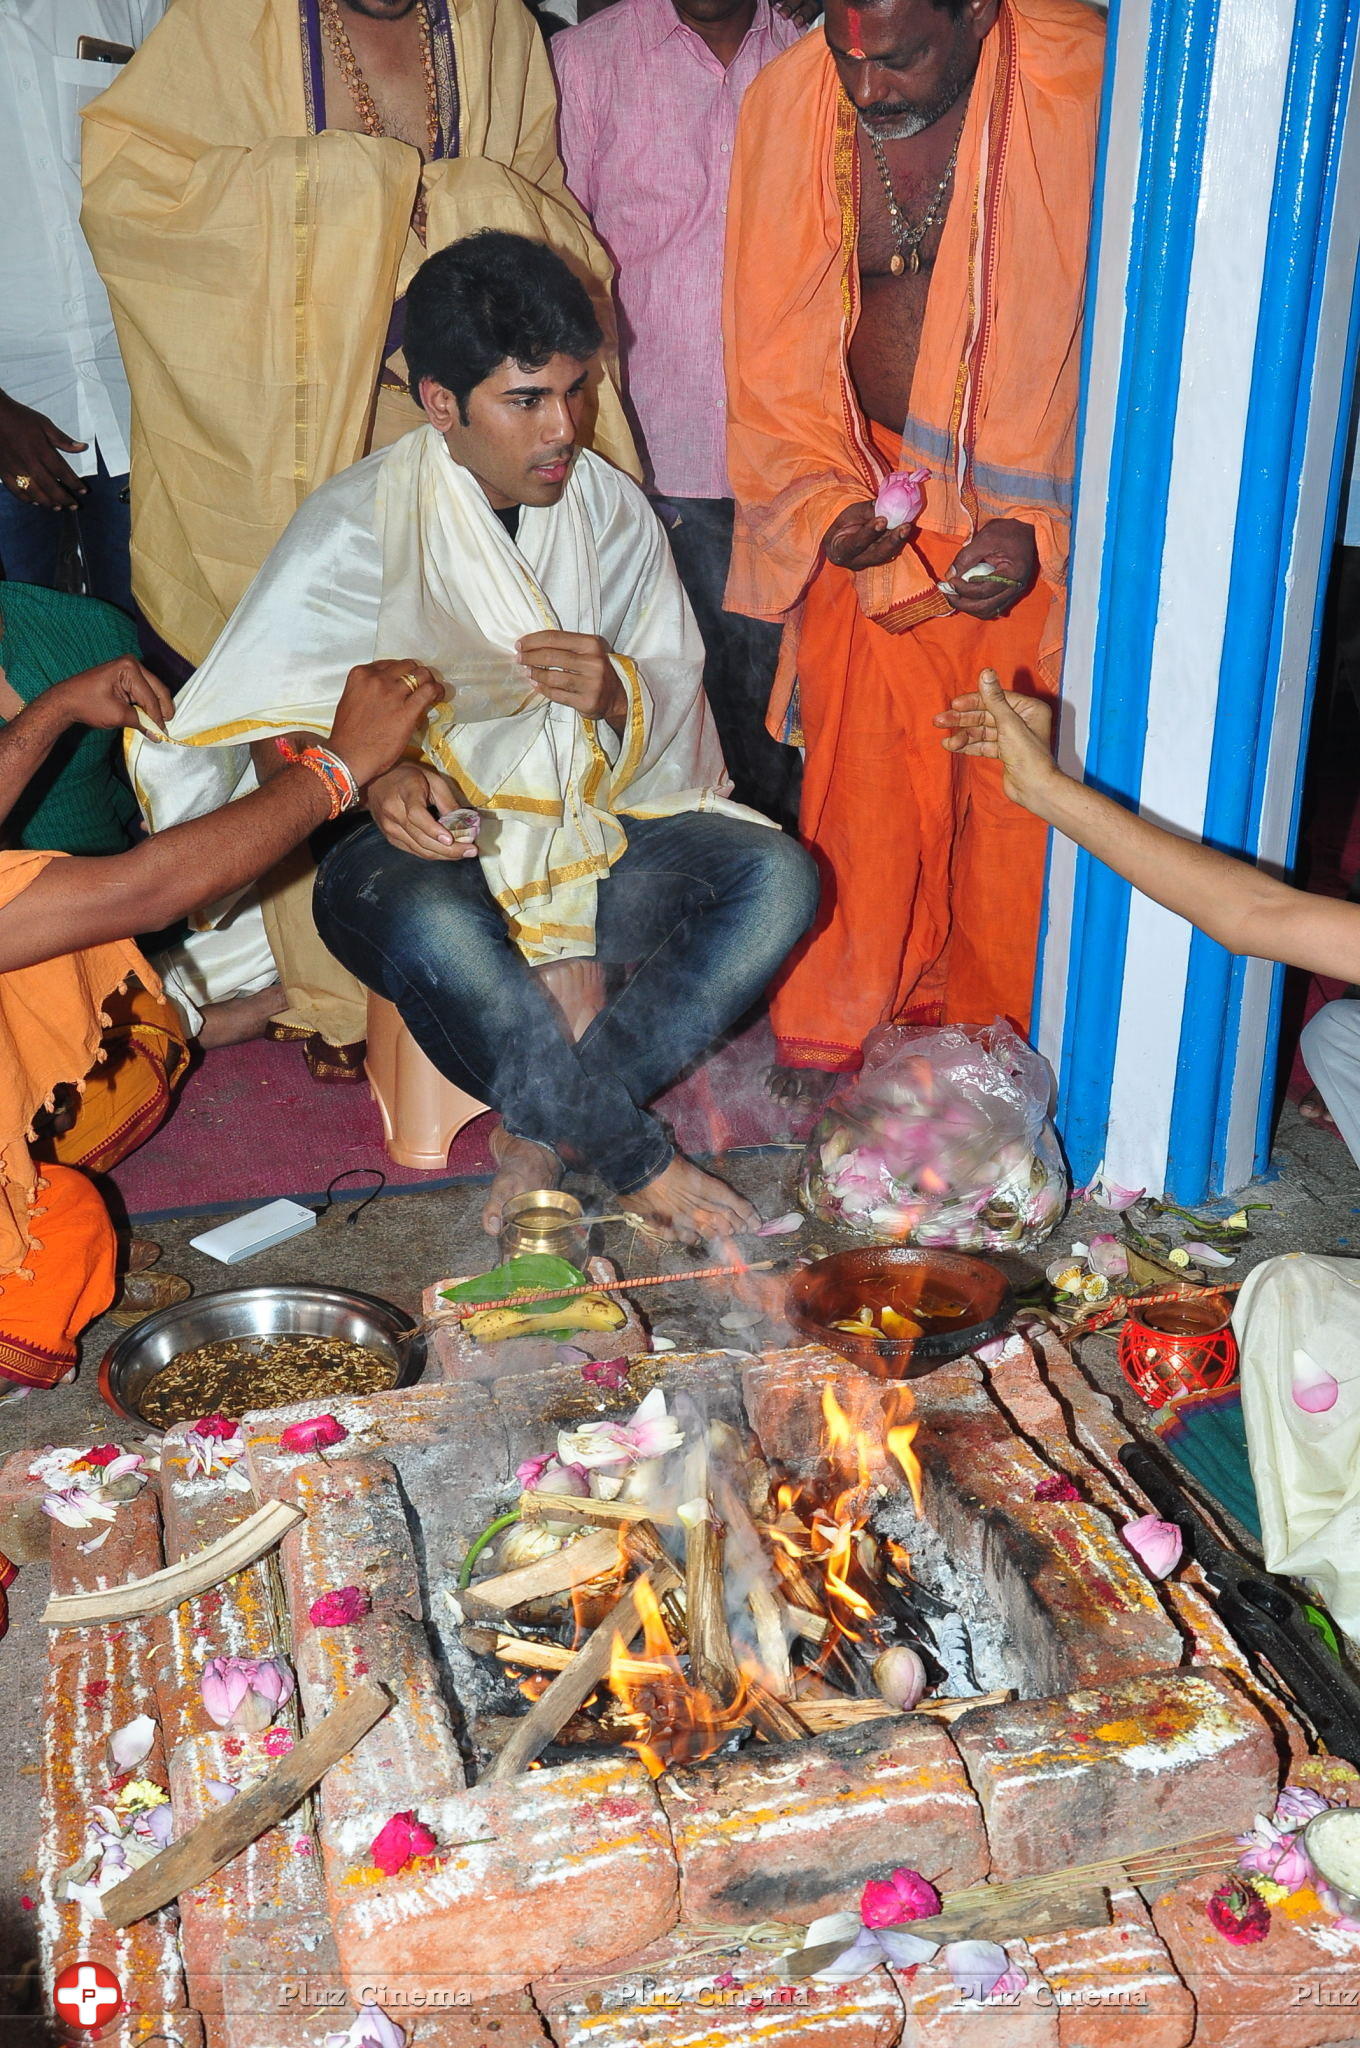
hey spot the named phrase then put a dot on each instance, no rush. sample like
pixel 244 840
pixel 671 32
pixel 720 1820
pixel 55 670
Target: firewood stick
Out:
pixel 567 1507
pixel 713 1664
pixel 821 1716
pixel 767 1615
pixel 812 1628
pixel 572 1687
pixel 535 1656
pixel 234 1827
pixel 585 1557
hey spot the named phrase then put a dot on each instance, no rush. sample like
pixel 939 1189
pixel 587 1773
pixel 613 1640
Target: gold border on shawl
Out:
pixel 845 169
pixel 900 618
pixel 635 734
pixel 446 759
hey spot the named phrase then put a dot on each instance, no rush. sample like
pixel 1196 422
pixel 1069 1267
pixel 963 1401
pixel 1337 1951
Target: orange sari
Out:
pixel 932 882
pixel 56 1241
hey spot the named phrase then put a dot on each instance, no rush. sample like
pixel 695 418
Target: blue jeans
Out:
pixel 31 535
pixel 705 906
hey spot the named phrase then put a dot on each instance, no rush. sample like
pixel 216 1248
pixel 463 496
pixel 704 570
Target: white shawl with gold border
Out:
pixel 402 556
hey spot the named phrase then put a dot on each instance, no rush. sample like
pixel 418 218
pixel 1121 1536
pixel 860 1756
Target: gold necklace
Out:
pixel 906 236
pixel 357 85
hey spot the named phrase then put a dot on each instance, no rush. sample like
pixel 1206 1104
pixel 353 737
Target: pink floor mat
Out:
pixel 251 1124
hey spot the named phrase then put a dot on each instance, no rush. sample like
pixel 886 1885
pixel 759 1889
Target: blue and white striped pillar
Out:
pixel 1219 353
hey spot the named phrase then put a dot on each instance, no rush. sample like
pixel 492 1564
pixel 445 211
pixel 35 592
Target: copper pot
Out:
pixel 961 1302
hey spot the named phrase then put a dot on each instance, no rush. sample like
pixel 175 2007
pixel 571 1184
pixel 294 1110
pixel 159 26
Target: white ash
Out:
pixel 976 1621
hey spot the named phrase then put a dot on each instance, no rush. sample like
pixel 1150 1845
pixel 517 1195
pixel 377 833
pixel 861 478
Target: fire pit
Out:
pixel 688 1729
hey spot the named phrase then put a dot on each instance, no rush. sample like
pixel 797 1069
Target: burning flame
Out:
pixel 899 1443
pixel 676 1722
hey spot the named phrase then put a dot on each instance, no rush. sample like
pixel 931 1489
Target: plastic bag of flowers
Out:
pixel 943 1138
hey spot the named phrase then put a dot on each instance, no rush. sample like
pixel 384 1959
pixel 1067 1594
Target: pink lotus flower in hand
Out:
pixel 901 497
pixel 906 1895
pixel 317 1433
pixel 245 1692
pixel 400 1842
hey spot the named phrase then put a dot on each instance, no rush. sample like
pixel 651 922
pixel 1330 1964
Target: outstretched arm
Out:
pixel 1232 901
pixel 107 696
pixel 75 903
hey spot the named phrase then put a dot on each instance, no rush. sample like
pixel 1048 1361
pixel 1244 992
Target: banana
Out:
pixel 587 1312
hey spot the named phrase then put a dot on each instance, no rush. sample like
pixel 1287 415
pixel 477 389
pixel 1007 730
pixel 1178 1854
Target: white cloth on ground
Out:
pixel 1330 1045
pixel 402 556
pixel 1306 1467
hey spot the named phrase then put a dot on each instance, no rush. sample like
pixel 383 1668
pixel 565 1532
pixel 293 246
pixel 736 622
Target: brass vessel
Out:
pixel 544 1220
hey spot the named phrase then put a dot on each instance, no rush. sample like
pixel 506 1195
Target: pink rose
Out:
pixel 102 1454
pixel 334 1610
pixel 1239 1914
pixel 400 1842
pixel 906 1895
pixel 606 1372
pixel 215 1425
pixel 1157 1545
pixel 315 1434
pixel 1057 1487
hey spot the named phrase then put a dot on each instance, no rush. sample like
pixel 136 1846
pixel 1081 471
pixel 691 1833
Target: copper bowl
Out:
pixel 961 1302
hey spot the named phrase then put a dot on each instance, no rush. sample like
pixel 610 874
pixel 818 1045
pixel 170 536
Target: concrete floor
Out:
pixel 402 1243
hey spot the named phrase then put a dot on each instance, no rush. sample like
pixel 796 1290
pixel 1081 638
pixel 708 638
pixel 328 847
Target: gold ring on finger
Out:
pixel 410 678
pixel 23 483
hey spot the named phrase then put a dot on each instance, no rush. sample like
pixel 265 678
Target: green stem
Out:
pixel 479 1545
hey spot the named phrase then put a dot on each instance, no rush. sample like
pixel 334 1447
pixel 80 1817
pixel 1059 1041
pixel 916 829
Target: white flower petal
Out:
pixel 130 1743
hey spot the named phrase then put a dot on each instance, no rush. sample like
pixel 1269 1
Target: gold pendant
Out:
pixel 898 265
pixel 915 263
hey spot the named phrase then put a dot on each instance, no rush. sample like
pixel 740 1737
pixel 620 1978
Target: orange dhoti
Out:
pixel 931 879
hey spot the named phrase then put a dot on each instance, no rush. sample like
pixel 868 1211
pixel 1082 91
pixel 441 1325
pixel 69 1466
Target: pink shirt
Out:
pixel 648 120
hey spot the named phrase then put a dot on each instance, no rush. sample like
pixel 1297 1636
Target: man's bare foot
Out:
pixel 520 1167
pixel 1314 1110
pixel 691 1206
pixel 577 988
pixel 239 1018
pixel 800 1087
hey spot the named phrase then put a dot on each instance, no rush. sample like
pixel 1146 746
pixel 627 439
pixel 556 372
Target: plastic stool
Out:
pixel 422 1113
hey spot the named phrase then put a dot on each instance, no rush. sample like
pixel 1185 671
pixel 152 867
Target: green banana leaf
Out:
pixel 526 1271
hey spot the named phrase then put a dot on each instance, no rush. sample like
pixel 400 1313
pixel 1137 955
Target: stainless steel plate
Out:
pixel 130 1365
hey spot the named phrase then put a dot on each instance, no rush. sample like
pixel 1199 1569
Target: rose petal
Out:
pixel 1206 1255
pixel 903 1948
pixel 977 1967
pixel 782 1226
pixel 1156 1544
pixel 130 1743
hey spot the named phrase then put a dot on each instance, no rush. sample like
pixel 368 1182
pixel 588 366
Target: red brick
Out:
pixel 1295 1989
pixel 98 1686
pixel 409 1760
pixel 1133 1766
pixel 939 2016
pixel 355 1534
pixel 1116 1986
pixel 795 1830
pixel 131 1548
pixel 667 1996
pixel 573 1861
pixel 425 1414
pixel 153 2030
pixel 257 1923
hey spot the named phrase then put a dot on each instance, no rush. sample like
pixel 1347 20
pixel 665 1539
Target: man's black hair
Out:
pixel 488 299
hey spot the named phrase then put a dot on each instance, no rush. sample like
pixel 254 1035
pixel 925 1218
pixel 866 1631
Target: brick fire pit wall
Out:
pixel 1135 1727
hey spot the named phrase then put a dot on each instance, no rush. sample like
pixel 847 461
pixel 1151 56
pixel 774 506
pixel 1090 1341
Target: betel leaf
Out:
pixel 526 1272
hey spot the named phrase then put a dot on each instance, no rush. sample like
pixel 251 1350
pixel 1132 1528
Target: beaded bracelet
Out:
pixel 341 787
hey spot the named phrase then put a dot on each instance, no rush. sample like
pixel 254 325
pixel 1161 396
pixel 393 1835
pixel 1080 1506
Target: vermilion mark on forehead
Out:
pixel 856 49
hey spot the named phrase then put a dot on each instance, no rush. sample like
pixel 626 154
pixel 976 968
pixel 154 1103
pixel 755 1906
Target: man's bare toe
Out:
pixel 799 1086
pixel 691 1206
pixel 520 1167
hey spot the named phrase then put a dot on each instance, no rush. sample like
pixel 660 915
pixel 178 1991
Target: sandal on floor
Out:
pixel 143 1293
pixel 325 1063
